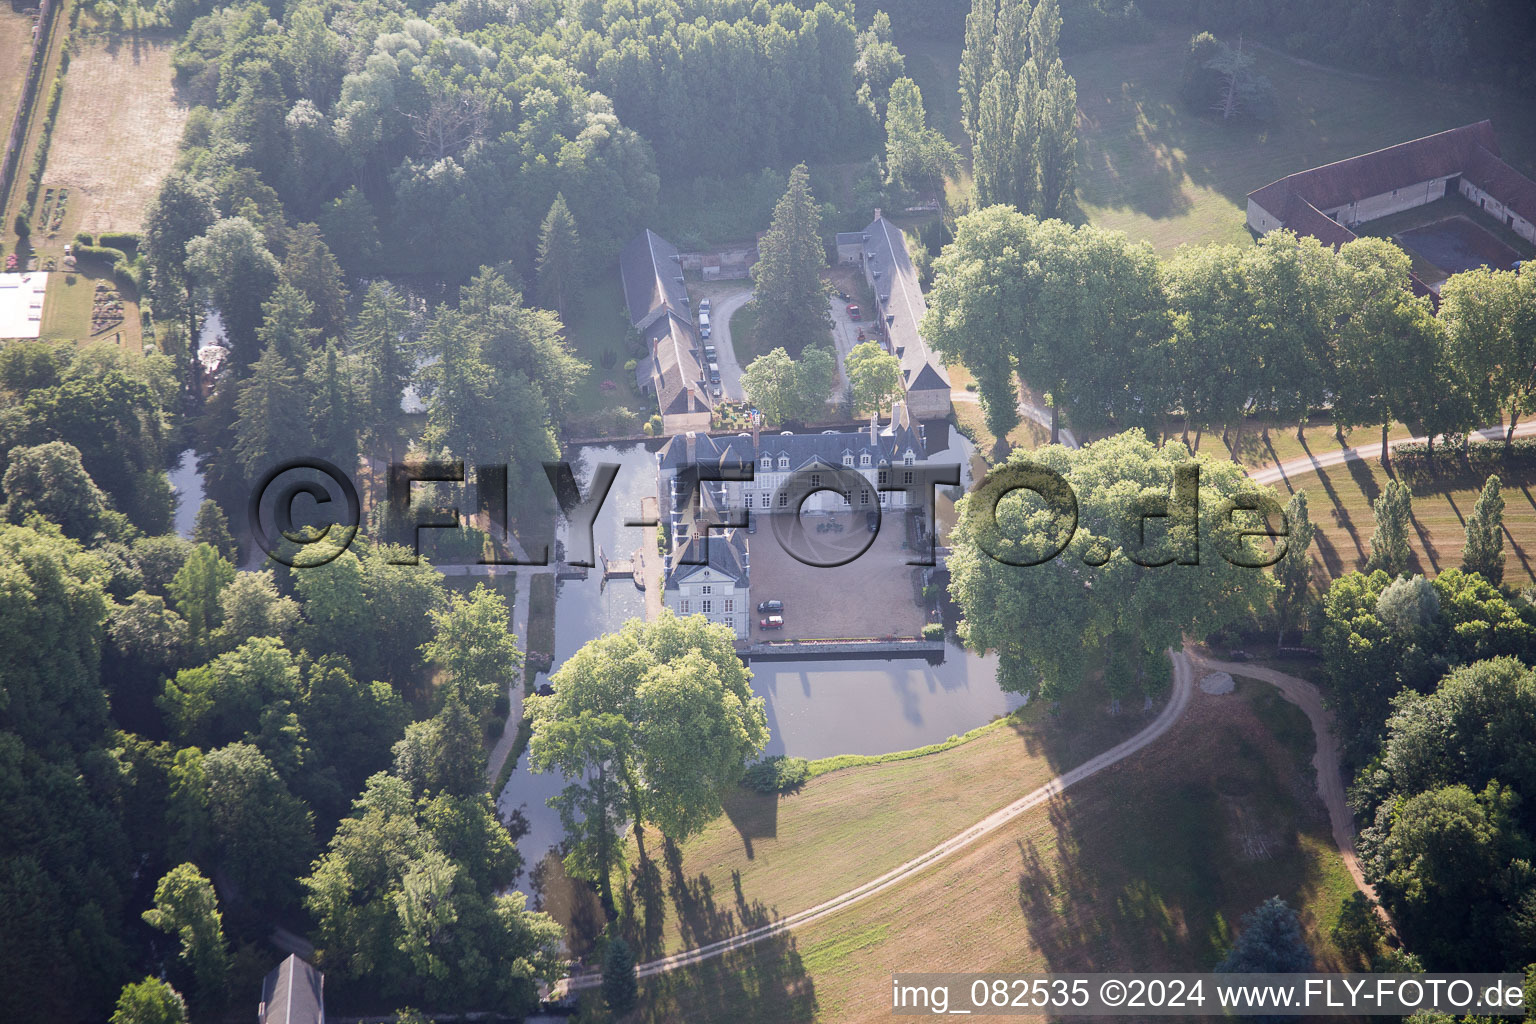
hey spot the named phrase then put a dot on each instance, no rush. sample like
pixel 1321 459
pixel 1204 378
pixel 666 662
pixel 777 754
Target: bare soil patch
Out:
pixel 117 133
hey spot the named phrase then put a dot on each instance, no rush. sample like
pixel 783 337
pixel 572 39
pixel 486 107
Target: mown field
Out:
pixel 1147 866
pixel 116 137
pixel 782 854
pixel 16 43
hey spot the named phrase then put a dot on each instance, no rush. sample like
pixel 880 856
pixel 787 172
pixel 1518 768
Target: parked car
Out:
pixel 704 330
pixel 770 606
pixel 709 352
pixel 772 622
pixel 853 312
pixel 704 305
pixel 715 389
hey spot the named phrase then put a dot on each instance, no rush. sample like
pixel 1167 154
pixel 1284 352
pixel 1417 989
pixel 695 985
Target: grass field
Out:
pixel 789 853
pixel 1339 500
pixel 16 41
pixel 597 329
pixel 1147 866
pixel 67 310
pixel 1150 167
pixel 116 136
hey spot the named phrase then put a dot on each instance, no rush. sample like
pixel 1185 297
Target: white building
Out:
pixel 709 574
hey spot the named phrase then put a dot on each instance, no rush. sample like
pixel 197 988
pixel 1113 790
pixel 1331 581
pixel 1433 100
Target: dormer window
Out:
pixel 783 461
pixel 908 459
pixel 864 459
pixel 847 458
pixel 767 463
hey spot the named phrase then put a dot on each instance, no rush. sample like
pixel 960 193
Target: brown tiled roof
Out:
pixel 1305 219
pixel 1371 174
pixel 1494 176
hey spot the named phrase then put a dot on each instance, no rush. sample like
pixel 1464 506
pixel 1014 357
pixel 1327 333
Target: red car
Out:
pixel 772 622
pixel 853 312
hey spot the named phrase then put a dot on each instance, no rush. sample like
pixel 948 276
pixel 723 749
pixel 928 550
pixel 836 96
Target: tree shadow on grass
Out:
pixel 754 815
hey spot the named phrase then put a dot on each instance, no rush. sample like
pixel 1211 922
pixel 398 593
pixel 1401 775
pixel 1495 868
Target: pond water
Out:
pixel 188 485
pixel 815 708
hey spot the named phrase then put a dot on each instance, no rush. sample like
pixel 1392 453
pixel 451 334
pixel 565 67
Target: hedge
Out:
pixel 777 774
pixel 105 253
pixel 1480 457
pixel 127 241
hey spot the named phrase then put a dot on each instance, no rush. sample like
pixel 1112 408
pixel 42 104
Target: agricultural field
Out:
pixel 1146 866
pixel 116 137
pixel 16 42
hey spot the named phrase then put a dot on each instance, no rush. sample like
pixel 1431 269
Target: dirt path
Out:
pixel 1330 777
pixel 1033 413
pixel 1178 700
pixel 1311 463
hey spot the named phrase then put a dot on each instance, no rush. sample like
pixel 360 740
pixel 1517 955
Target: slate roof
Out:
pixel 652 279
pixel 901 300
pixel 676 374
pixel 726 551
pixel 294 993
pixel 887 447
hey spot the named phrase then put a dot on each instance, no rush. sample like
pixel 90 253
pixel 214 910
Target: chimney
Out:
pixel 757 426
pixel 877 213
pixel 874 427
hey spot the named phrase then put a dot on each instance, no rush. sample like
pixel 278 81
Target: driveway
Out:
pixel 725 298
pixel 845 335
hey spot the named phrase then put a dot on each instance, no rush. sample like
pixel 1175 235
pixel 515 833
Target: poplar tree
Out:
pixel 1484 553
pixel 1294 571
pixel 1393 511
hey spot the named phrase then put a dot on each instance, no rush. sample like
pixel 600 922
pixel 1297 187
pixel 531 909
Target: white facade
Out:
pixel 769 490
pixel 1491 205
pixel 705 590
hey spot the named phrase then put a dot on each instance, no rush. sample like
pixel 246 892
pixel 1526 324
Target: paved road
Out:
pixel 722 308
pixel 1311 463
pixel 1183 686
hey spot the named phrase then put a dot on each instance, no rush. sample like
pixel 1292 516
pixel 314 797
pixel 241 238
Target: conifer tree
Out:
pixel 791 299
pixel 559 256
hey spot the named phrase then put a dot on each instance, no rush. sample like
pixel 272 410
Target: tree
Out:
pixel 273 414
pixel 659 717
pixel 1120 589
pixel 1358 931
pixel 1490 322
pixel 444 754
pixel 149 642
pixel 251 607
pixel 48 480
pixel 1293 573
pixel 559 256
pixel 1269 942
pixel 783 388
pixel 335 405
pixel 285 324
pixel 352 232
pixel 187 908
pixel 815 375
pixel 471 641
pixel 309 266
pixel 917 158
pixel 791 299
pixel 196 588
pixel 976 62
pixel 620 988
pixel 181 211
pixel 231 260
pixel 259 832
pixel 874 377
pixel 1393 511
pixel 248 694
pixel 879 65
pixel 1052 122
pixel 380 339
pixel 1484 553
pixel 150 1001
pixel 211 527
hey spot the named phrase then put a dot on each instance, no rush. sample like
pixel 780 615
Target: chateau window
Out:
pixel 685 606
pixel 706 589
pixel 847 458
pixel 883 496
pixel 883 478
pixel 767 462
pixel 847 499
pixel 864 459
pixel 730 605
pixel 706 607
pixel 746 501
pixel 864 497
pixel 783 461
pixel 908 478
pixel 908 459
pixel 815 480
pixel 783 500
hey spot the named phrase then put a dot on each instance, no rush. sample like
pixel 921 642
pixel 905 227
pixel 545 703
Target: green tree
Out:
pixel 250 606
pixel 769 383
pixel 1053 120
pixel 874 377
pixel 187 908
pixel 380 338
pixel 1122 589
pixel 285 324
pixel 232 261
pixel 248 694
pixel 662 711
pixel 309 266
pixel 1358 931
pixel 976 62
pixel 444 754
pixel 49 480
pixel 273 413
pixel 150 1001
pixel 1490 321
pixel 917 158
pixel 211 527
pixel 196 589
pixel 621 990
pixel 1293 573
pixel 791 299
pixel 471 642
pixel 336 405
pixel 559 257
pixel 1393 512
pixel 352 231
pixel 815 376
pixel 1484 553
pixel 258 831
pixel 1269 941
pixel 181 211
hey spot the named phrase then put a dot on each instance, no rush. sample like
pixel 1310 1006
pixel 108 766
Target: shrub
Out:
pixel 23 225
pixel 777 774
pixel 83 238
pixel 124 240
pixel 1479 457
pixel 105 254
pixel 933 631
pixel 1200 84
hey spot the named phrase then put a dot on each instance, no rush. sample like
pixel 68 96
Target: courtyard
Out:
pixel 875 595
pixel 1457 244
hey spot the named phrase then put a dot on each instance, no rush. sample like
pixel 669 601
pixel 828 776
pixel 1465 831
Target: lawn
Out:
pixel 116 137
pixel 1148 866
pixel 15 39
pixel 1339 500
pixel 743 329
pixel 598 329
pixel 1150 167
pixel 67 309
